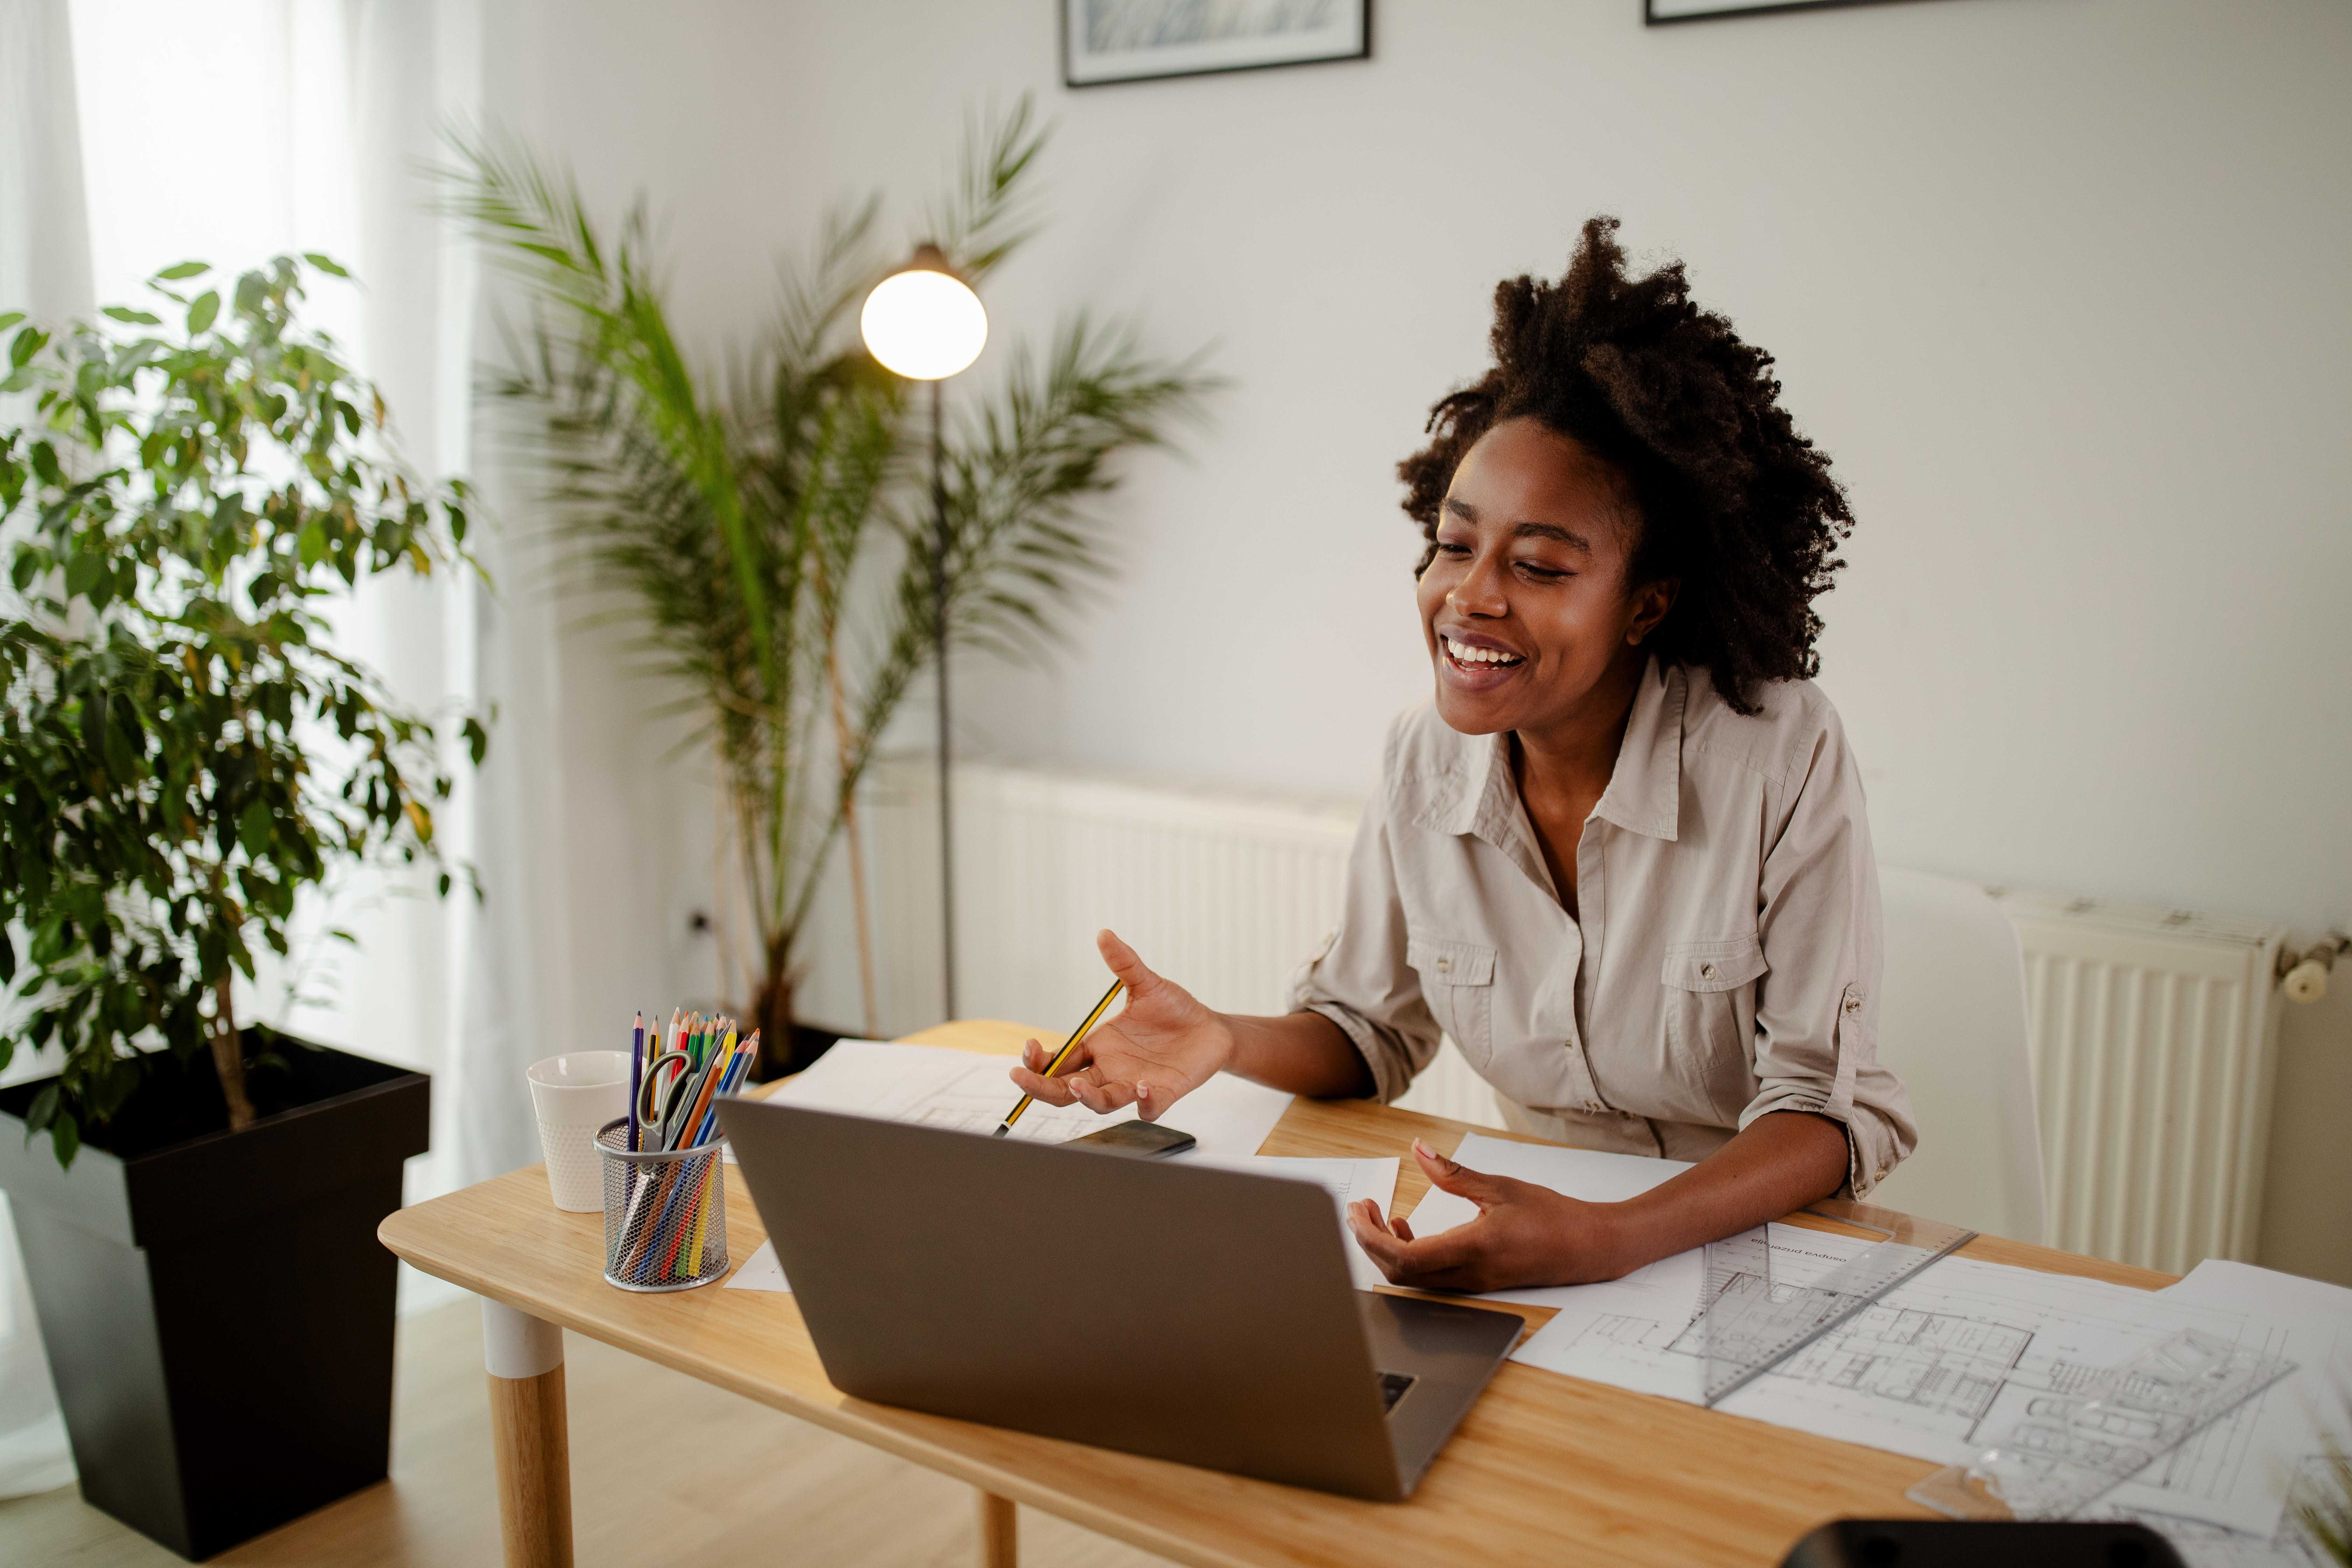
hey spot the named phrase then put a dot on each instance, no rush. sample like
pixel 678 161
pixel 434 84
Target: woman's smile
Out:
pixel 1471 662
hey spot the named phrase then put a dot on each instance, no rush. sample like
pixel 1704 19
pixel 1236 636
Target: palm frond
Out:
pixel 1025 471
pixel 989 212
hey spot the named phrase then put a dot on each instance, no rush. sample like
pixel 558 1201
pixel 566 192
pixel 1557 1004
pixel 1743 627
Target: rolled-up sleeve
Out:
pixel 1361 980
pixel 1817 1010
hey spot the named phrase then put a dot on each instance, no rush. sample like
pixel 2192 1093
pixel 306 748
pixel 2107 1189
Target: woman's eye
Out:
pixel 1449 547
pixel 1538 571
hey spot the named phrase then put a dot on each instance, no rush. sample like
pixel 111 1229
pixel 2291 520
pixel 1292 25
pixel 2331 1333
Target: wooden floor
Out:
pixel 665 1470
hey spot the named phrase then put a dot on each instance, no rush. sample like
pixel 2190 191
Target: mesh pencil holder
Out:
pixel 665 1213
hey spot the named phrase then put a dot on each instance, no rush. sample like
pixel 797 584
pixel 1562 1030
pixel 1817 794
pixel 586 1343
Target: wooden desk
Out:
pixel 1546 1469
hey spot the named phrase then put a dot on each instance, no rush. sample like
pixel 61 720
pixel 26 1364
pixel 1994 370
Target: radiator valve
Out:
pixel 2303 977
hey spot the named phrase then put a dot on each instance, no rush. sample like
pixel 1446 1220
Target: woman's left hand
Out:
pixel 1524 1235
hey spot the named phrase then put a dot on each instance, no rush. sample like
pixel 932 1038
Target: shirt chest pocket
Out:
pixel 1458 980
pixel 1710 998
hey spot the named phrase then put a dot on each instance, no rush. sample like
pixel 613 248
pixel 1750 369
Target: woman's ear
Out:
pixel 1651 603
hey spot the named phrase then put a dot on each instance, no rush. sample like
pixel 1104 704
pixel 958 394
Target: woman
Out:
pixel 1622 859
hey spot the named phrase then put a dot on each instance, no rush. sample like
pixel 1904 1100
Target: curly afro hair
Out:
pixel 1730 498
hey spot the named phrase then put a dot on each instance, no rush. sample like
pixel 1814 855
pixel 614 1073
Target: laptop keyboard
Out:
pixel 1393 1388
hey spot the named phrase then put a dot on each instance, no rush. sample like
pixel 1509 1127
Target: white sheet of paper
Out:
pixel 1937 1369
pixel 1584 1173
pixel 2258 1454
pixel 761 1271
pixel 1345 1180
pixel 934 1086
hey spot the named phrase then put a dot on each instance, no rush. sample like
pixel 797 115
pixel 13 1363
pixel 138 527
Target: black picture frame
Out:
pixel 1730 10
pixel 1076 74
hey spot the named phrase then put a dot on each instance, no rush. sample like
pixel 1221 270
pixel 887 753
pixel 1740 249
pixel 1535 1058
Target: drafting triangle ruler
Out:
pixel 1752 1321
pixel 2091 1430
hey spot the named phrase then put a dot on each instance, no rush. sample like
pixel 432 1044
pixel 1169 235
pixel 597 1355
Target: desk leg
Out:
pixel 998 1521
pixel 528 1435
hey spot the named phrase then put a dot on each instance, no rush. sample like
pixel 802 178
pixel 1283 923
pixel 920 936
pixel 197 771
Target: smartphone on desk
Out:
pixel 1148 1139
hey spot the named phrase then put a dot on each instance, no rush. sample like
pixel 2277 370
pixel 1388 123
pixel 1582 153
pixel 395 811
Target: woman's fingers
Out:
pixel 1127 965
pixel 1052 1091
pixel 1442 1262
pixel 1459 1179
pixel 1101 1097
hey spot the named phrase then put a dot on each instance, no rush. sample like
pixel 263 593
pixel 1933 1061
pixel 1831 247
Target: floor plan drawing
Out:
pixel 1935 1368
pixel 977 1099
pixel 965 1092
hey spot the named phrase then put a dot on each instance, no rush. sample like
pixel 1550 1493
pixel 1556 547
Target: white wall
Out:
pixel 2059 283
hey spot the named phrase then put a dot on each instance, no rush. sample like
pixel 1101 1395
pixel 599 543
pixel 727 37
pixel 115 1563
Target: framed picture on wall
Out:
pixel 1105 41
pixel 1657 13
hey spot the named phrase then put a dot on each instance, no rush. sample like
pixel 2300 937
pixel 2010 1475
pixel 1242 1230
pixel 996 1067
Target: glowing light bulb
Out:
pixel 923 322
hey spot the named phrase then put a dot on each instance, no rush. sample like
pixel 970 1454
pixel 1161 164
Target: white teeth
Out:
pixel 1467 655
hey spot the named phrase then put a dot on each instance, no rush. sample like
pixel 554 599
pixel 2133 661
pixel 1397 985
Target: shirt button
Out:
pixel 1707 971
pixel 1445 965
pixel 1853 1004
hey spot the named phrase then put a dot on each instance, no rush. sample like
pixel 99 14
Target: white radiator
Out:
pixel 2153 1034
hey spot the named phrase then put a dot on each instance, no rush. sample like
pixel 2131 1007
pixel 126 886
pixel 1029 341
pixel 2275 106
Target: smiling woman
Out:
pixel 1622 859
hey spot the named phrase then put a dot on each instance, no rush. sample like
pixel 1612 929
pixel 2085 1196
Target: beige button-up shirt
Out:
pixel 1723 960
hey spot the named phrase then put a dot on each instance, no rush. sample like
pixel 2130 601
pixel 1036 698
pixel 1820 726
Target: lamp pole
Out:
pixel 925 323
pixel 939 632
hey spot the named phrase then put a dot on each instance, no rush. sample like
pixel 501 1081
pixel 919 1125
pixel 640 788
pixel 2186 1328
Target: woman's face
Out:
pixel 1525 606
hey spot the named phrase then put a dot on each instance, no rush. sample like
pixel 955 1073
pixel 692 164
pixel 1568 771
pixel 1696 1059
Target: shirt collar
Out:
pixel 1646 788
pixel 1476 794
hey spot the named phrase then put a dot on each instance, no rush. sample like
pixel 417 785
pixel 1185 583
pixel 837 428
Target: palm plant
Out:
pixel 775 535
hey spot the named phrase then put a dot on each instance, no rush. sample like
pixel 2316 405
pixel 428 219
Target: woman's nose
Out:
pixel 1480 592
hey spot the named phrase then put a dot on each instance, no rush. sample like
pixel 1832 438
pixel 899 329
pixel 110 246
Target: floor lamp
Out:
pixel 925 323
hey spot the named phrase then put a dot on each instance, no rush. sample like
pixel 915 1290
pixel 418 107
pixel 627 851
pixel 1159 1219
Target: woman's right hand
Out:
pixel 1161 1047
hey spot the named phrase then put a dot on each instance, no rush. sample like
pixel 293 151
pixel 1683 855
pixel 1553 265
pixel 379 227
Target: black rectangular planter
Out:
pixel 217 1311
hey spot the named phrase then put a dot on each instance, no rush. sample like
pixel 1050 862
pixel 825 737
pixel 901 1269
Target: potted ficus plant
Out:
pixel 182 753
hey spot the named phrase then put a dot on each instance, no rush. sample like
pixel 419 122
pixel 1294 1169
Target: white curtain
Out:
pixel 319 115
pixel 45 269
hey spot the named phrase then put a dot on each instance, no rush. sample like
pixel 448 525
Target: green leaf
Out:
pixel 9 319
pixel 201 313
pixel 136 318
pixel 253 829
pixel 185 269
pixel 42 1111
pixel 64 1138
pixel 25 345
pixel 325 264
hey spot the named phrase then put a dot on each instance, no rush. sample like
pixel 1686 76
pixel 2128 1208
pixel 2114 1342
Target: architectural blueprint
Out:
pixel 1939 1365
pixel 936 1087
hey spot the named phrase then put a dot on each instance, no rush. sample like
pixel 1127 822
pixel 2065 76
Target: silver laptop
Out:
pixel 1179 1310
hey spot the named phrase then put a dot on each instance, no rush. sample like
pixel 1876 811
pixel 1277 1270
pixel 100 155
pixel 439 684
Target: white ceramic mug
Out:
pixel 575 1094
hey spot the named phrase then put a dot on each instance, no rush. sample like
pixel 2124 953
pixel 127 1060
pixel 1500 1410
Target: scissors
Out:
pixel 659 1102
